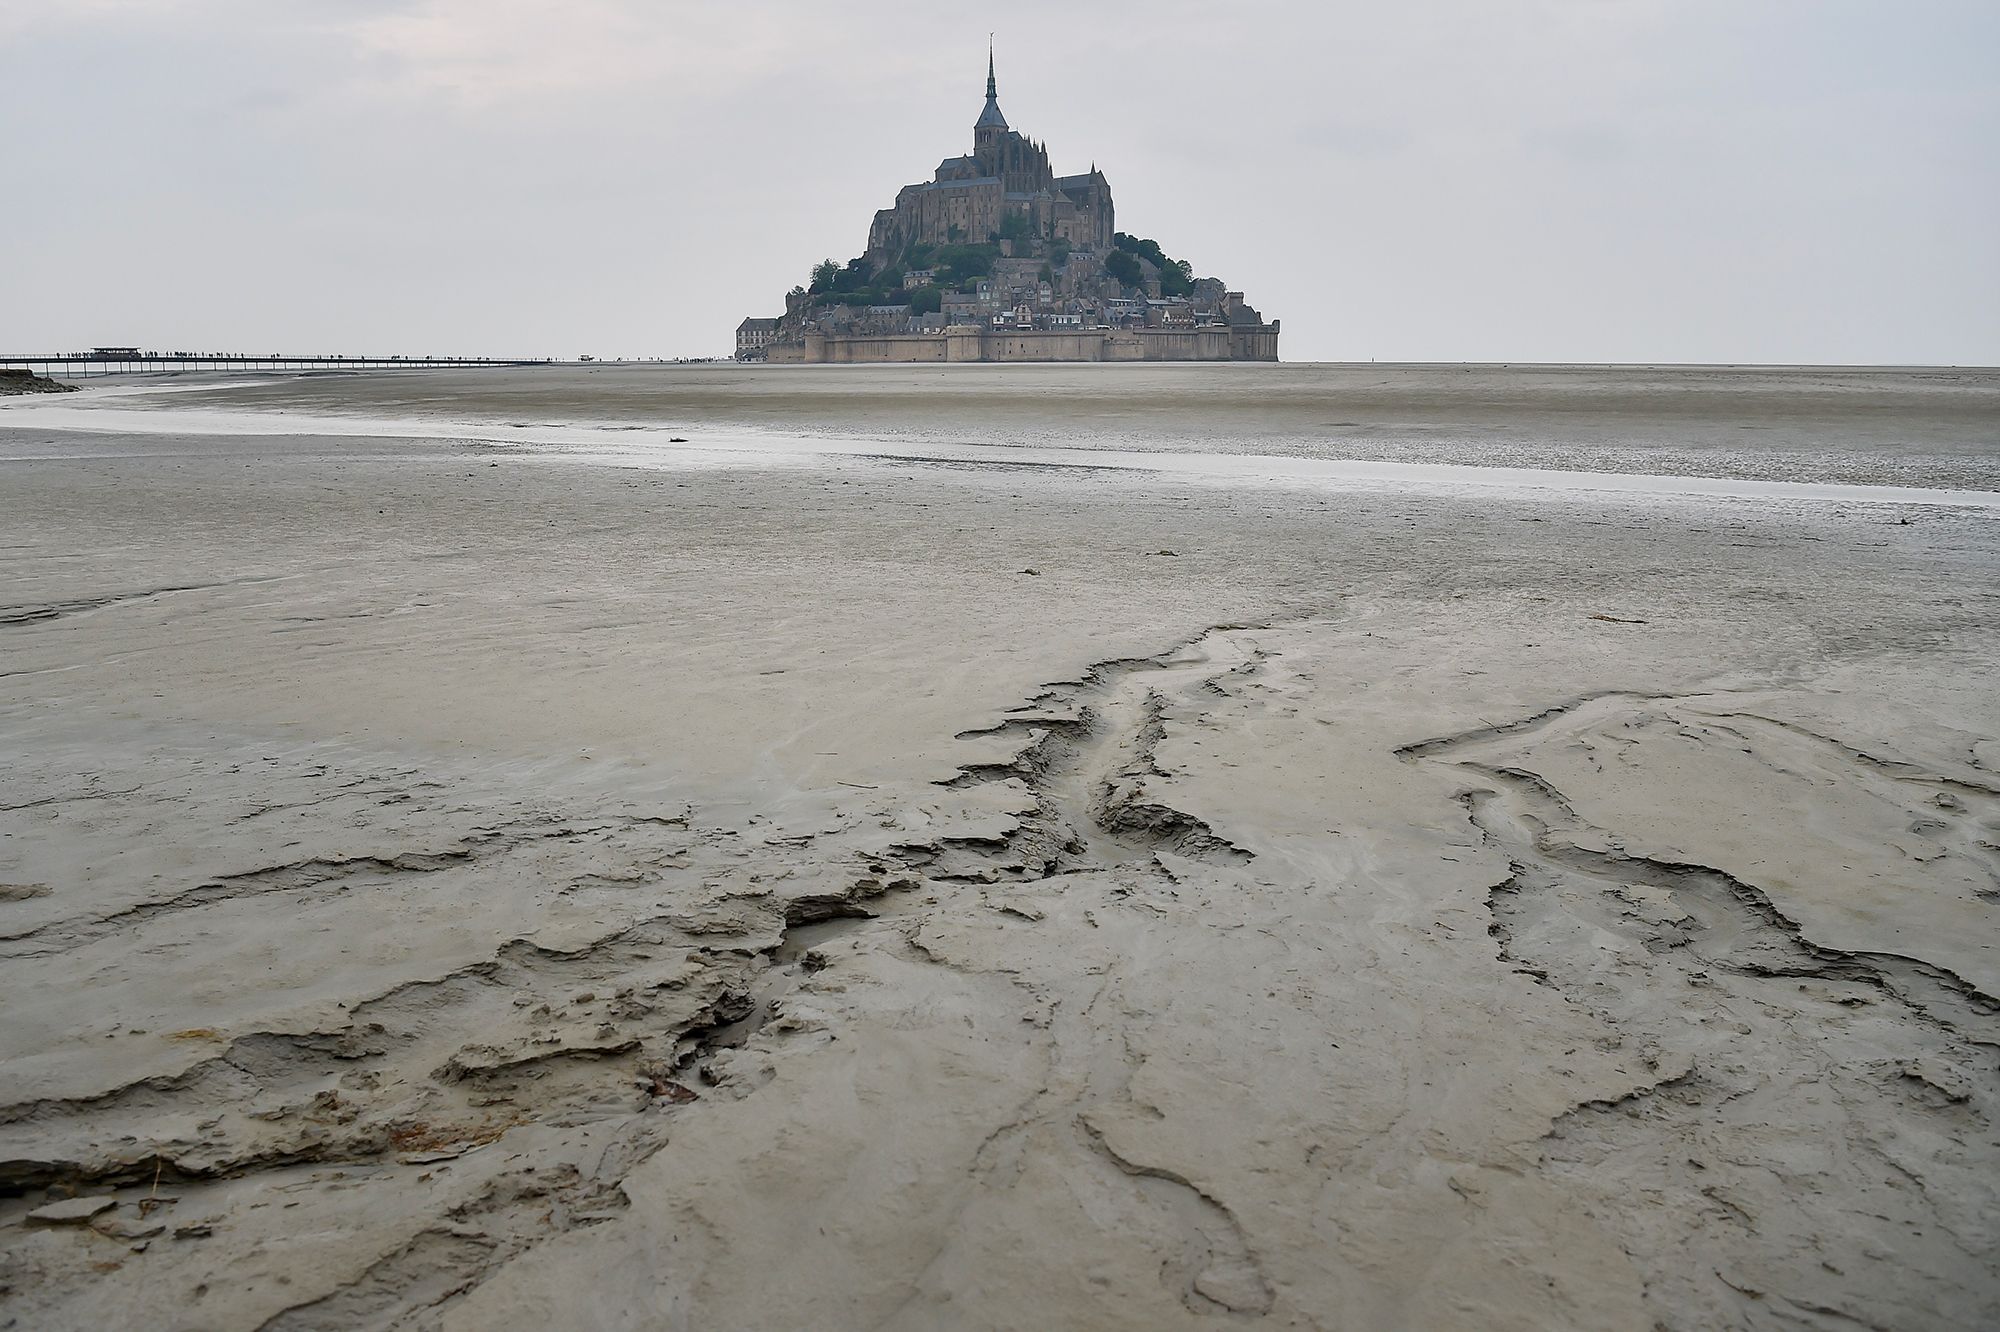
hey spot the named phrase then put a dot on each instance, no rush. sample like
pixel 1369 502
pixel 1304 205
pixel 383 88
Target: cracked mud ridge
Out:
pixel 1797 1082
pixel 609 1036
pixel 1807 1132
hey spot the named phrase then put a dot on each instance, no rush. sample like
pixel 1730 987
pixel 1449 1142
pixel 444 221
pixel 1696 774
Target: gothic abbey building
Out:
pixel 997 258
pixel 1006 174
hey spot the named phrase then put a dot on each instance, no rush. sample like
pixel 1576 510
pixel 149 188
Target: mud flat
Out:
pixel 469 883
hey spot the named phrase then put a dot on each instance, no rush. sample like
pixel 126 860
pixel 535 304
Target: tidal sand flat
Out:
pixel 1002 847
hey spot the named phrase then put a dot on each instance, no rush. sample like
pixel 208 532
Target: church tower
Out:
pixel 989 132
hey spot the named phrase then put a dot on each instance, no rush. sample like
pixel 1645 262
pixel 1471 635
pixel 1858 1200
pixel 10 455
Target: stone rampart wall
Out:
pixel 971 343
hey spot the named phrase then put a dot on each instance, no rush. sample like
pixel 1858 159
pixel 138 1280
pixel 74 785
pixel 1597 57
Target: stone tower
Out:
pixel 1004 181
pixel 1020 164
pixel 990 131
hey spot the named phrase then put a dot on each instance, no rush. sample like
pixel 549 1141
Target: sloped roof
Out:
pixel 990 118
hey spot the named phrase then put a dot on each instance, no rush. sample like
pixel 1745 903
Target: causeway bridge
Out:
pixel 133 361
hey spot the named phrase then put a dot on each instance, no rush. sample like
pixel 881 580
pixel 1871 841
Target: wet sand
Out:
pixel 481 881
pixel 1937 426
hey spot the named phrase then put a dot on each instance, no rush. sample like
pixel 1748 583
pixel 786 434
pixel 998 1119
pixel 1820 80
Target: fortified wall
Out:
pixel 974 343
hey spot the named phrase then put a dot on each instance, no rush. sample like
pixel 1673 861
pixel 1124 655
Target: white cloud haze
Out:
pixel 1684 180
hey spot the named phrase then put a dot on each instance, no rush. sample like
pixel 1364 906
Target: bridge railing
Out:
pixel 78 365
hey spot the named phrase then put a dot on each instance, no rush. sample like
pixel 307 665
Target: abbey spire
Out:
pixel 990 118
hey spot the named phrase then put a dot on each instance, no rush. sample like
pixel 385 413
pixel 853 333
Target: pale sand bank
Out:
pixel 1933 427
pixel 503 889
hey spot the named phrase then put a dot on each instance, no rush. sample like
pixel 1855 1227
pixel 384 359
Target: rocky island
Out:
pixel 997 258
pixel 15 382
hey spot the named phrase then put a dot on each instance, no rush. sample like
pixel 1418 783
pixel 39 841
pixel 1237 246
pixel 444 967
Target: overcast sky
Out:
pixel 1534 180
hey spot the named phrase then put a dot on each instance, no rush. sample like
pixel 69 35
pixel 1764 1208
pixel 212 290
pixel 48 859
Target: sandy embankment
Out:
pixel 476 891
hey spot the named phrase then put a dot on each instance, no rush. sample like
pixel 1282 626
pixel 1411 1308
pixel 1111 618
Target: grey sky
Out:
pixel 1684 180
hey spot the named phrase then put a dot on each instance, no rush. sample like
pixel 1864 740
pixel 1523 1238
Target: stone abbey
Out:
pixel 1006 174
pixel 997 258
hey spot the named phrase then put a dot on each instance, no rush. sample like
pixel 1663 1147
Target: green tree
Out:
pixel 1123 265
pixel 926 300
pixel 825 273
pixel 1176 275
pixel 855 276
pixel 956 263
